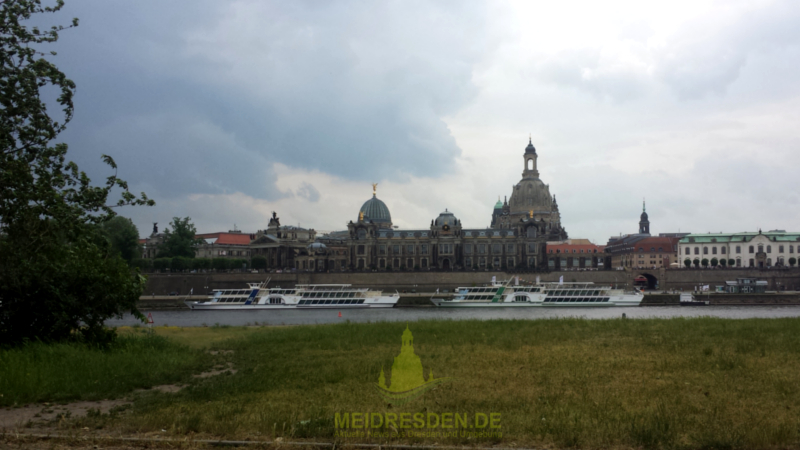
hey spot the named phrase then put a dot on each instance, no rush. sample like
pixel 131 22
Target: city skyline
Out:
pixel 227 112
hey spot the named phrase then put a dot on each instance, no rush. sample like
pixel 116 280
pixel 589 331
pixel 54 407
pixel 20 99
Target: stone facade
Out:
pixel 762 250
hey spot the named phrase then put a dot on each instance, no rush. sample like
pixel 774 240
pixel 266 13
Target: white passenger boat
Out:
pixel 543 294
pixel 302 296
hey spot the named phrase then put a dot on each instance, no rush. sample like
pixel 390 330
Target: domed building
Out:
pixel 531 202
pixel 375 211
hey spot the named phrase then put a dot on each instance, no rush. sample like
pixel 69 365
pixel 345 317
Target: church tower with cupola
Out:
pixel 531 203
pixel 644 222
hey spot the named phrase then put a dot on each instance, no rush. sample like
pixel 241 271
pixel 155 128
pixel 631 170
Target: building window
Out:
pixel 705 250
pixel 482 262
pixel 723 250
pixel 409 263
pixel 760 249
pixel 360 250
pixel 697 250
pixel 531 232
pixel 424 263
pixel 381 249
pixel 641 249
pixel 688 250
pixel 410 249
pixel 395 249
pixel 780 249
pixel 661 249
pixel 510 262
pixel 752 263
pixel 396 263
pixel 738 249
pixel 468 263
pixel 558 251
pixel 423 249
pixel 510 248
pixel 481 249
pixel 446 249
pixel 738 262
pixel 382 264
pixel 467 249
pixel 769 249
pixel 751 249
pixel 791 249
pixel 532 249
pixel 497 248
pixel 714 250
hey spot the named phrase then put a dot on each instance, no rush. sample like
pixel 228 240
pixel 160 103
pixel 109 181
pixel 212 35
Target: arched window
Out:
pixel 751 249
pixel 697 250
pixel 531 232
pixel 769 249
pixel 738 249
pixel 705 250
pixel 362 233
pixel 760 249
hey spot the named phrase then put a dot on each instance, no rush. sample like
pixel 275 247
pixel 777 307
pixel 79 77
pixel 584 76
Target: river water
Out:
pixel 190 318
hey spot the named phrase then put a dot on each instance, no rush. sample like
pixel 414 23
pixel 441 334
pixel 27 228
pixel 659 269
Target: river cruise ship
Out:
pixel 302 296
pixel 543 294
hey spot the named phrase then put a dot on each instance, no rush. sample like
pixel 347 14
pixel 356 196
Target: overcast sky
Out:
pixel 226 111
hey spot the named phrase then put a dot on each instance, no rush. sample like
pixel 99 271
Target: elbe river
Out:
pixel 188 318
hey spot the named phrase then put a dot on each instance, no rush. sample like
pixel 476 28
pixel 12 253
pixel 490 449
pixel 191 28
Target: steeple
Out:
pixel 644 222
pixel 530 157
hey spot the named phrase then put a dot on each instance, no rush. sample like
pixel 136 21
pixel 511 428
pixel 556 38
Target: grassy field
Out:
pixel 677 383
pixel 62 372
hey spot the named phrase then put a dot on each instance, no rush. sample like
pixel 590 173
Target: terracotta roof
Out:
pixel 568 248
pixel 227 238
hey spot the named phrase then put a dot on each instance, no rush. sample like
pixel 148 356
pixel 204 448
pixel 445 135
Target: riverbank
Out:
pixel 703 382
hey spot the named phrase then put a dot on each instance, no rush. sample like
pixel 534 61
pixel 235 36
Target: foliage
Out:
pixel 696 262
pixel 731 262
pixel 123 237
pixel 201 263
pixel 258 262
pixel 687 262
pixel 179 264
pixel 219 264
pixel 162 263
pixel 723 262
pixel 237 264
pixel 56 274
pixel 704 262
pixel 714 262
pixel 181 240
pixel 143 264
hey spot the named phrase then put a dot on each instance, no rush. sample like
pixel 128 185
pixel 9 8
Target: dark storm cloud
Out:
pixel 204 97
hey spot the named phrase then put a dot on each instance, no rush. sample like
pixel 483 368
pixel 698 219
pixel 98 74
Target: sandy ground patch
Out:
pixel 11 418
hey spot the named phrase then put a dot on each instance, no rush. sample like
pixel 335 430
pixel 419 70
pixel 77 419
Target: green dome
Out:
pixel 499 204
pixel 376 211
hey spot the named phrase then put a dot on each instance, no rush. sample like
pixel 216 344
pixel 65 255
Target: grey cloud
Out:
pixel 308 192
pixel 204 99
pixel 583 70
pixel 709 54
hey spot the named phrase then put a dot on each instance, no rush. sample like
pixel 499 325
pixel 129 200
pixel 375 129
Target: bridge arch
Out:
pixel 645 281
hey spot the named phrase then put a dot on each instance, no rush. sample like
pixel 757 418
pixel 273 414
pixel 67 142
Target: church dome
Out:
pixel 499 204
pixel 376 211
pixel 531 194
pixel 530 148
pixel 446 218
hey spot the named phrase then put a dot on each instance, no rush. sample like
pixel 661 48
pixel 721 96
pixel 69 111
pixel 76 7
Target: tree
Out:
pixel 181 240
pixel 792 261
pixel 57 275
pixel 219 264
pixel 723 262
pixel 687 262
pixel 123 237
pixel 714 262
pixel 696 263
pixel 731 262
pixel 704 262
pixel 258 262
pixel 161 263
